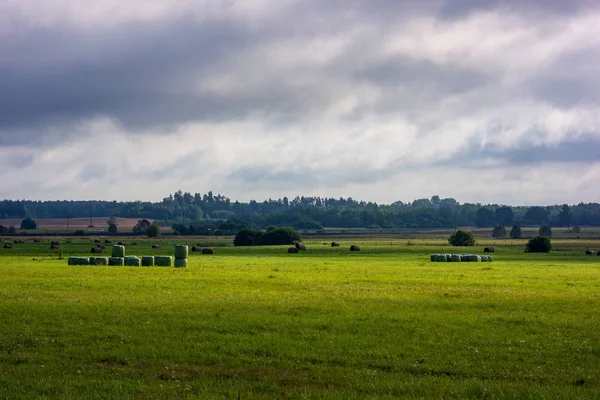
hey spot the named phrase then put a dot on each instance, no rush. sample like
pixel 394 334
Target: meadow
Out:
pixel 258 323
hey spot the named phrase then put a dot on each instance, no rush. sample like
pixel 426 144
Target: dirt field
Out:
pixel 72 224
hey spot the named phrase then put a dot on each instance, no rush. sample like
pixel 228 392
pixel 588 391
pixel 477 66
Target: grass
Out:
pixel 260 323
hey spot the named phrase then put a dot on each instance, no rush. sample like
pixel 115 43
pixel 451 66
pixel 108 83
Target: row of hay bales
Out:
pixel 460 258
pixel 592 252
pixel 119 259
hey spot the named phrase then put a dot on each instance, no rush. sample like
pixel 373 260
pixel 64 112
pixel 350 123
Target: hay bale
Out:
pixel 590 252
pixel 82 261
pixel 454 258
pixel 295 242
pixel 107 241
pixel 118 251
pixel 598 253
pixel 448 257
pixel 440 258
pixel 181 252
pixel 472 258
pixel 100 260
pixel 116 261
pixel 133 261
pixel 207 251
pixel 102 247
pixel 293 250
pixel 156 246
pixel 53 247
pixel 163 261
pixel 433 257
pixel 300 246
pixel 181 263
pixel 96 250
pixel 71 260
pixel 8 245
pixel 488 250
pixel 354 248
pixel 121 243
pixel 97 241
pixel 148 261
pixel 196 248
pixel 34 240
pixel 335 244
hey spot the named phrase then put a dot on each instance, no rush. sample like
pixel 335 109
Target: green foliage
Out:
pixel 3 229
pixel 11 230
pixel 153 231
pixel 79 232
pixel 28 223
pixel 247 237
pixel 545 230
pixel 273 236
pixel 539 244
pixel 112 228
pixel 515 232
pixel 462 238
pixel 141 226
pixel 499 232
pixel 279 236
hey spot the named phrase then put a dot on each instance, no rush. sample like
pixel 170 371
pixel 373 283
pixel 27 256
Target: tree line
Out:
pixel 201 213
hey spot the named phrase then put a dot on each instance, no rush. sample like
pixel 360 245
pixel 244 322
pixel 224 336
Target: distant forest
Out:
pixel 198 213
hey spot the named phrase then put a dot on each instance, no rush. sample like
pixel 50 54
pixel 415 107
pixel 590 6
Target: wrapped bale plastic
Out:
pixel 163 261
pixel 133 261
pixel 71 261
pixel 181 252
pixel 116 261
pixel 148 261
pixel 448 257
pixel 440 258
pixel 118 251
pixel 83 261
pixel 433 257
pixel 455 258
pixel 179 263
pixel 100 260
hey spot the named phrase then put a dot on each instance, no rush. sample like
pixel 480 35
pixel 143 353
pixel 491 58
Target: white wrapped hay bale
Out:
pixel 116 261
pixel 179 263
pixel 118 251
pixel 100 260
pixel 440 258
pixel 163 261
pixel 181 252
pixel 132 261
pixel 148 261
pixel 433 257
pixel 455 258
pixel 71 261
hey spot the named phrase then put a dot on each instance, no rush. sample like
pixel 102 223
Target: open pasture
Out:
pixel 257 322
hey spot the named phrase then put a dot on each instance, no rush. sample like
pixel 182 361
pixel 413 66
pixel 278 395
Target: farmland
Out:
pixel 257 322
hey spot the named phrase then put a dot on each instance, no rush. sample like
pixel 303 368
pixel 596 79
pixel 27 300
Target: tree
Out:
pixel 545 230
pixel 484 217
pixel 153 231
pixel 142 226
pixel 247 237
pixel 462 238
pixel 112 228
pixel 504 215
pixel 279 236
pixel 515 232
pixel 3 229
pixel 28 223
pixel 499 232
pixel 540 244
pixel 111 221
pixel 565 216
pixel 11 229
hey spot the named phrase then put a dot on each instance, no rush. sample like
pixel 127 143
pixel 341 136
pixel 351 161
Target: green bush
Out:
pixel 515 232
pixel 79 232
pixel 499 232
pixel 273 236
pixel 28 223
pixel 462 238
pixel 545 230
pixel 153 231
pixel 247 237
pixel 540 244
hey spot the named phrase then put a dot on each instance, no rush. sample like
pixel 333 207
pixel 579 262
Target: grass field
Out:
pixel 260 323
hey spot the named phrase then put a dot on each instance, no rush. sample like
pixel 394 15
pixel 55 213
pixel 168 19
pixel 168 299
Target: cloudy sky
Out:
pixel 381 100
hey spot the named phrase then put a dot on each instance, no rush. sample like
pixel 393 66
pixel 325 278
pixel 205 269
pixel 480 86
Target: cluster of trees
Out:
pixel 206 212
pixel 539 244
pixel 271 237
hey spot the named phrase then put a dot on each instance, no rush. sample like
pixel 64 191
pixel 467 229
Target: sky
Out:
pixel 379 100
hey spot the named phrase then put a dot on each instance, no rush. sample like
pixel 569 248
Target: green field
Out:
pixel 260 323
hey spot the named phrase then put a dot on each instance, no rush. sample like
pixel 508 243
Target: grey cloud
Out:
pixel 92 172
pixel 584 149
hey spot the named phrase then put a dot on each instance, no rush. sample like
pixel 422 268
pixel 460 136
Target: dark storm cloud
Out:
pixel 585 149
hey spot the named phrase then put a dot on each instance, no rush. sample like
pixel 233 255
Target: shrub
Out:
pixel 79 232
pixel 278 236
pixel 515 232
pixel 576 229
pixel 153 231
pixel 112 228
pixel 247 237
pixel 462 238
pixel 540 244
pixel 3 229
pixel 545 230
pixel 499 232
pixel 11 229
pixel 28 223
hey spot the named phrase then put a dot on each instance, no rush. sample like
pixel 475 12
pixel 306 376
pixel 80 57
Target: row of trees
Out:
pixel 539 244
pixel 202 210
